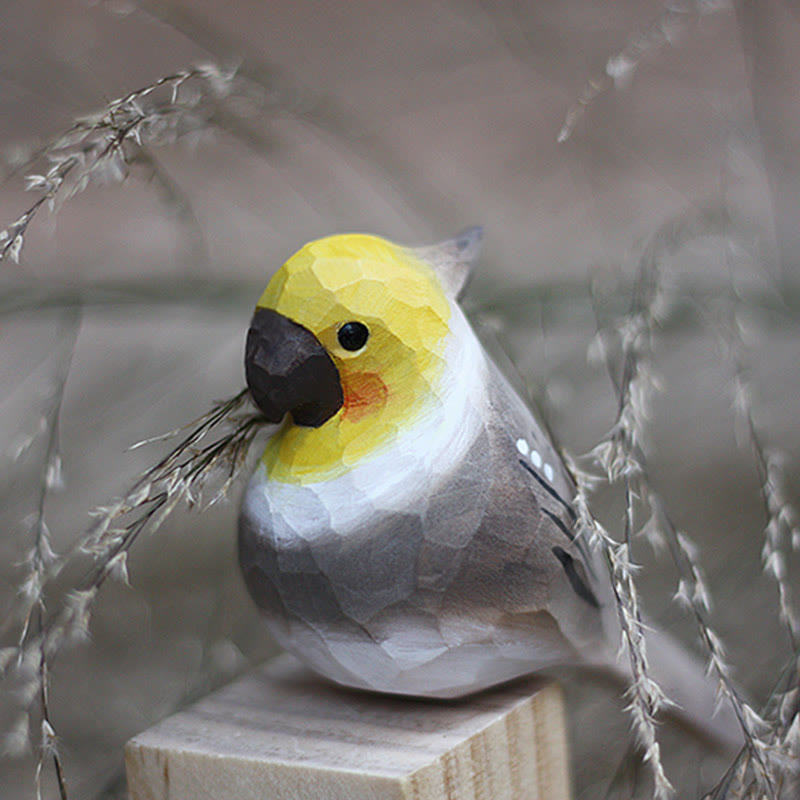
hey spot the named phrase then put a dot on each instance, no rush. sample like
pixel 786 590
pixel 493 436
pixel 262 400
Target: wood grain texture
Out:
pixel 281 733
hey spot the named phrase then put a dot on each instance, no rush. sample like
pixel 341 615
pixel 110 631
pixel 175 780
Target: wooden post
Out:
pixel 280 733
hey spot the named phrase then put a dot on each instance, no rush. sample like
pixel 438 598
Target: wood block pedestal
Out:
pixel 281 733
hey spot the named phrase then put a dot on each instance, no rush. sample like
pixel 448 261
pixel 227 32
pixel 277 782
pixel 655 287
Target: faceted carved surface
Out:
pixel 424 546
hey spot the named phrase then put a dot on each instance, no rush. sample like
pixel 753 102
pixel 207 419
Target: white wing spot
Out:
pixel 548 472
pixel 536 459
pixel 523 447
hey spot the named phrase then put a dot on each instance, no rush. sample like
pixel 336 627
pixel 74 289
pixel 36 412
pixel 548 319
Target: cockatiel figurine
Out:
pixel 409 528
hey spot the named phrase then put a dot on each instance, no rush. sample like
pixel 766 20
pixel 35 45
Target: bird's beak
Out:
pixel 289 371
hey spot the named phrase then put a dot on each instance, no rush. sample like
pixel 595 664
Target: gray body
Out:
pixel 474 583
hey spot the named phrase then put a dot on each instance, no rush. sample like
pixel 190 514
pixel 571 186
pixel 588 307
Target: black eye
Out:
pixel 353 335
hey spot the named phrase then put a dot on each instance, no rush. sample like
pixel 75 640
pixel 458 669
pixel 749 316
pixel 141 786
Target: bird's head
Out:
pixel 348 344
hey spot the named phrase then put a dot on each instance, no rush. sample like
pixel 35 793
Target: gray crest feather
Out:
pixel 454 258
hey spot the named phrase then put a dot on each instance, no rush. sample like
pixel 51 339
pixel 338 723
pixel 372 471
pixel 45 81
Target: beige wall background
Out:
pixel 411 120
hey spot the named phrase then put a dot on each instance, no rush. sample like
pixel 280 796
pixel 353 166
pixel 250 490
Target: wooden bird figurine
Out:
pixel 409 528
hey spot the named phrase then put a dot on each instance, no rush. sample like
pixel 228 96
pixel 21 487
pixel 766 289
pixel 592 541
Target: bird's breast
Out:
pixel 419 576
pixel 430 566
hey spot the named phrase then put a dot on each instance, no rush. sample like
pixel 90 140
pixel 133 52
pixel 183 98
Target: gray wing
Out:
pixel 525 559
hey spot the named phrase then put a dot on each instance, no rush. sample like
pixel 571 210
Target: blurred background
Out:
pixel 411 120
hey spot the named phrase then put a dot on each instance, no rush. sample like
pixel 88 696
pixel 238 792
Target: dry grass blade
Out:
pixel 183 475
pixel 768 762
pixel 198 471
pixel 104 147
pixel 621 458
pixel 694 595
pixel 645 697
pixel 671 23
pixel 782 521
pixel 40 557
pixel 772 755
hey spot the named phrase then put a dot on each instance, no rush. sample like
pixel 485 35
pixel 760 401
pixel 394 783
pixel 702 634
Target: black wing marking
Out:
pixel 559 523
pixel 578 541
pixel 549 489
pixel 575 580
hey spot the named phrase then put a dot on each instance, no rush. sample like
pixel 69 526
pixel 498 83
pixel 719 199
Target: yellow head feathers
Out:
pixel 380 312
pixel 349 277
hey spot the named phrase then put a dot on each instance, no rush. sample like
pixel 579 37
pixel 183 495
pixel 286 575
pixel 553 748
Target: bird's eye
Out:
pixel 353 335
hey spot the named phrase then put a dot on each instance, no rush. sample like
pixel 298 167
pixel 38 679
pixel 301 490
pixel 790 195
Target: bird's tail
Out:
pixel 688 685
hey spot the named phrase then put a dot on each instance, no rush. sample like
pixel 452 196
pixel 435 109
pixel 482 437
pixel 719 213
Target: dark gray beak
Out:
pixel 289 371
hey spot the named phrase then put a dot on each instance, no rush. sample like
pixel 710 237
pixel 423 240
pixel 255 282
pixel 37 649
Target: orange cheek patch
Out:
pixel 364 393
